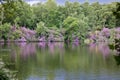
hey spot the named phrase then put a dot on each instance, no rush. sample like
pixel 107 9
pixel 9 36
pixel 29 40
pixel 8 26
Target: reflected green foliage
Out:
pixel 116 46
pixel 117 58
pixel 112 46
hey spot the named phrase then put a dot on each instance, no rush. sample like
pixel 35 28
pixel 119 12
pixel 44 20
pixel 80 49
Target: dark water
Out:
pixel 60 61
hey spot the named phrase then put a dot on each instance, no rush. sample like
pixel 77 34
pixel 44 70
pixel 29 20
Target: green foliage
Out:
pixel 116 13
pixel 50 5
pixel 71 25
pixel 76 26
pixel 5 30
pixel 69 22
pixel 9 8
pixel 71 18
pixel 48 13
pixel 8 33
pixel 40 28
pixel 17 12
pixel 24 15
pixel 16 35
pixel 5 73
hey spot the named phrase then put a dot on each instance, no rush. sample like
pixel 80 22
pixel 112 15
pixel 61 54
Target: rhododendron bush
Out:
pixel 9 32
pixel 105 34
pixel 27 33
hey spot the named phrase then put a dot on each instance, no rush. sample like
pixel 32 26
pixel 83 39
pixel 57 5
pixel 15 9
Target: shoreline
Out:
pixel 12 41
pixel 33 41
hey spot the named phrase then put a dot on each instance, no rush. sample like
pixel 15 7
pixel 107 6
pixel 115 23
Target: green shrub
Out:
pixel 16 34
pixel 5 73
pixel 41 29
pixel 5 30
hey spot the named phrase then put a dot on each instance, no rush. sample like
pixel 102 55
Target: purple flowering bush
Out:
pixel 27 33
pixel 105 34
pixel 10 33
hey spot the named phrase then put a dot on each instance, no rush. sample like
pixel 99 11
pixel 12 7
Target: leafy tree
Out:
pixel 41 29
pixel 50 5
pixel 4 31
pixel 71 19
pixel 71 25
pixel 117 13
pixel 24 15
pixel 9 10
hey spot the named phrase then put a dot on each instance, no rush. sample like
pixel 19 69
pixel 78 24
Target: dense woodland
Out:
pixel 52 22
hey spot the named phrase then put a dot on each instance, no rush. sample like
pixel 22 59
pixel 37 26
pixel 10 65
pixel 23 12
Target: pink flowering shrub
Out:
pixel 117 32
pixel 106 32
pixel 22 39
pixel 42 39
pixel 27 33
pixel 92 36
pixel 21 33
pixel 9 33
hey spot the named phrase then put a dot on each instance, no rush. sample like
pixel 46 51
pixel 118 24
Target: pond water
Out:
pixel 61 61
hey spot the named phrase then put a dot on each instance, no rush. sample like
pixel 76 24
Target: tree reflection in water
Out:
pixel 117 58
pixel 42 44
pixel 27 50
pixel 100 48
pixel 30 49
pixel 46 60
pixel 117 48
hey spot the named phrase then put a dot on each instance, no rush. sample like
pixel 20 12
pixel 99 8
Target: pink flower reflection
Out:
pixel 51 47
pixel 92 47
pixel 42 44
pixel 2 43
pixel 59 47
pixel 27 50
pixel 23 44
pixel 104 49
pixel 55 47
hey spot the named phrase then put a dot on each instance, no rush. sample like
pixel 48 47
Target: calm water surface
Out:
pixel 61 61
